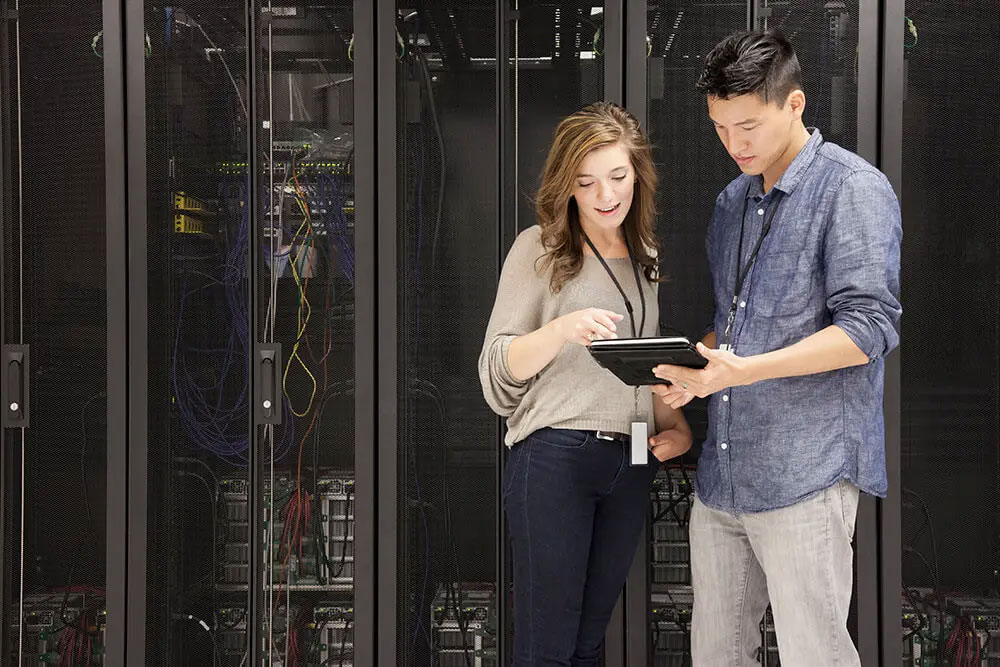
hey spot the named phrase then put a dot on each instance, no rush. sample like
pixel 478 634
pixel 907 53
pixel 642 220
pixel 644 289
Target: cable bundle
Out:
pixel 76 641
pixel 296 515
pixel 215 414
pixel 75 647
pixel 331 194
pixel 963 646
pixel 299 624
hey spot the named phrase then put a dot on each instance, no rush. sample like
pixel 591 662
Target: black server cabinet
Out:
pixel 250 248
pixel 197 344
pixel 179 333
pixel 475 90
pixel 56 333
pixel 238 240
pixel 306 284
pixel 948 180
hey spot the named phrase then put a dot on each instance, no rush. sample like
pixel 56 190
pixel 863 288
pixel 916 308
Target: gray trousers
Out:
pixel 799 558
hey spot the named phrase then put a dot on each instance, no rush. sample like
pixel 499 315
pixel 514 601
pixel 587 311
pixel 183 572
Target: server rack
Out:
pixel 874 81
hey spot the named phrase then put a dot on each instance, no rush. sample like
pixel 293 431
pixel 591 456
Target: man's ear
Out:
pixel 797 101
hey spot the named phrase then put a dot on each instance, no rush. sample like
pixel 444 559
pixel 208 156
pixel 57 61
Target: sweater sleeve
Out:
pixel 516 311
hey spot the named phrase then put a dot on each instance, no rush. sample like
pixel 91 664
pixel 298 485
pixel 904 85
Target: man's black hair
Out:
pixel 755 61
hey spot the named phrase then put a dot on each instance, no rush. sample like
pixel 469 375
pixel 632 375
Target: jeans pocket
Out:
pixel 512 466
pixel 560 437
pixel 849 498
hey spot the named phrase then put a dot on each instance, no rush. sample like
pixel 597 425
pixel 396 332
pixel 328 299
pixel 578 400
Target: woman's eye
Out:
pixel 584 185
pixel 618 178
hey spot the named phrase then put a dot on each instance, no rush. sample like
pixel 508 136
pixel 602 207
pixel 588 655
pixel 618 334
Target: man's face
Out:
pixel 756 134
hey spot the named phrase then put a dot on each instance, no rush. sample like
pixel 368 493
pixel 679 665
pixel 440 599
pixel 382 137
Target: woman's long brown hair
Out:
pixel 595 126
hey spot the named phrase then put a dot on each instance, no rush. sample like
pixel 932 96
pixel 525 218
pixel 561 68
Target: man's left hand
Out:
pixel 724 370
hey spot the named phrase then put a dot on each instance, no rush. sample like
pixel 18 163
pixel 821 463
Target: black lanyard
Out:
pixel 742 273
pixel 638 284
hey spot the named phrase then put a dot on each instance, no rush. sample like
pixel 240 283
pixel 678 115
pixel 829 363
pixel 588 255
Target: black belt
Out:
pixel 612 436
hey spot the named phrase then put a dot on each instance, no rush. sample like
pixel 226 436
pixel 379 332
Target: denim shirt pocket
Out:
pixel 782 285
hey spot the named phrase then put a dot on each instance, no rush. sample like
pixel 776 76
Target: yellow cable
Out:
pixel 302 316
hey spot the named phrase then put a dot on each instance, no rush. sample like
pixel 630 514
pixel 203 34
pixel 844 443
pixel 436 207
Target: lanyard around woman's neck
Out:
pixel 638 284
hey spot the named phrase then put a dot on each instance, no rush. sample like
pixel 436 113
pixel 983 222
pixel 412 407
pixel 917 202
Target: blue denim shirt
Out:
pixel 831 257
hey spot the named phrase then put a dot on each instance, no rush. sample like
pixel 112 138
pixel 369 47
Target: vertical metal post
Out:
pixel 386 444
pixel 366 610
pixel 637 592
pixel 614 53
pixel 865 602
pixel 116 188
pixel 506 225
pixel 890 510
pixel 256 584
pixel 137 355
pixel 5 188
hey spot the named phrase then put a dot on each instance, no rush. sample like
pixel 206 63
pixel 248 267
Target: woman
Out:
pixel 586 271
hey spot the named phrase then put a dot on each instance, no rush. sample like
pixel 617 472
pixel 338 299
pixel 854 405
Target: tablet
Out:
pixel 633 359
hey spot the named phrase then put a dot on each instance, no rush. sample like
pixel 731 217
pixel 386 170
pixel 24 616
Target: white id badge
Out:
pixel 640 441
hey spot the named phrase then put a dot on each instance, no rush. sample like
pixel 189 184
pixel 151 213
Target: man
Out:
pixel 804 252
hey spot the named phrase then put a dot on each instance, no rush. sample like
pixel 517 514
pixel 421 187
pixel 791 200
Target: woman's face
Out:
pixel 603 187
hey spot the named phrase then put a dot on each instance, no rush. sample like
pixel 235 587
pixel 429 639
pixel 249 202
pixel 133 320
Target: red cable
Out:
pixel 952 638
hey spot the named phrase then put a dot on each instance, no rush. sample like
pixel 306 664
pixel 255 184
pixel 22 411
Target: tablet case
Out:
pixel 633 359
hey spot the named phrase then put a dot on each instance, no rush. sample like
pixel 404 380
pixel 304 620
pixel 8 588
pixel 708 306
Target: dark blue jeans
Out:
pixel 575 508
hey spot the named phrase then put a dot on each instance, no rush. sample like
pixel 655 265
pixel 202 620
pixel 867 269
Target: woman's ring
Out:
pixel 684 385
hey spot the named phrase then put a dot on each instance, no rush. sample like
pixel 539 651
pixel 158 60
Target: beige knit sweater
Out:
pixel 573 391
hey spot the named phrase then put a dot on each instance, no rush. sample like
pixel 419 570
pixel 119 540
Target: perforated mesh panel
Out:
pixel 448 249
pixel 198 411
pixel 64 318
pixel 305 194
pixel 951 350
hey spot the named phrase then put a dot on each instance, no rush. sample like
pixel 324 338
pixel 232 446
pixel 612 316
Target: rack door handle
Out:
pixel 268 394
pixel 15 395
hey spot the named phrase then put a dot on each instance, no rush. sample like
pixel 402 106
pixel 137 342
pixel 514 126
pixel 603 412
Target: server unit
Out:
pixel 463 625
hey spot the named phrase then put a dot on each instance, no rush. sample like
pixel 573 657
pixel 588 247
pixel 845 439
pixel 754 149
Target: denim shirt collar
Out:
pixel 790 179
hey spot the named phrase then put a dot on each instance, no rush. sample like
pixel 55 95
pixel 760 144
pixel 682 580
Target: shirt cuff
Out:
pixel 870 343
pixel 502 368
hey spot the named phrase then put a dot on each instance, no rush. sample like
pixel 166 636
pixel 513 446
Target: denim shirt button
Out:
pixel 724 446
